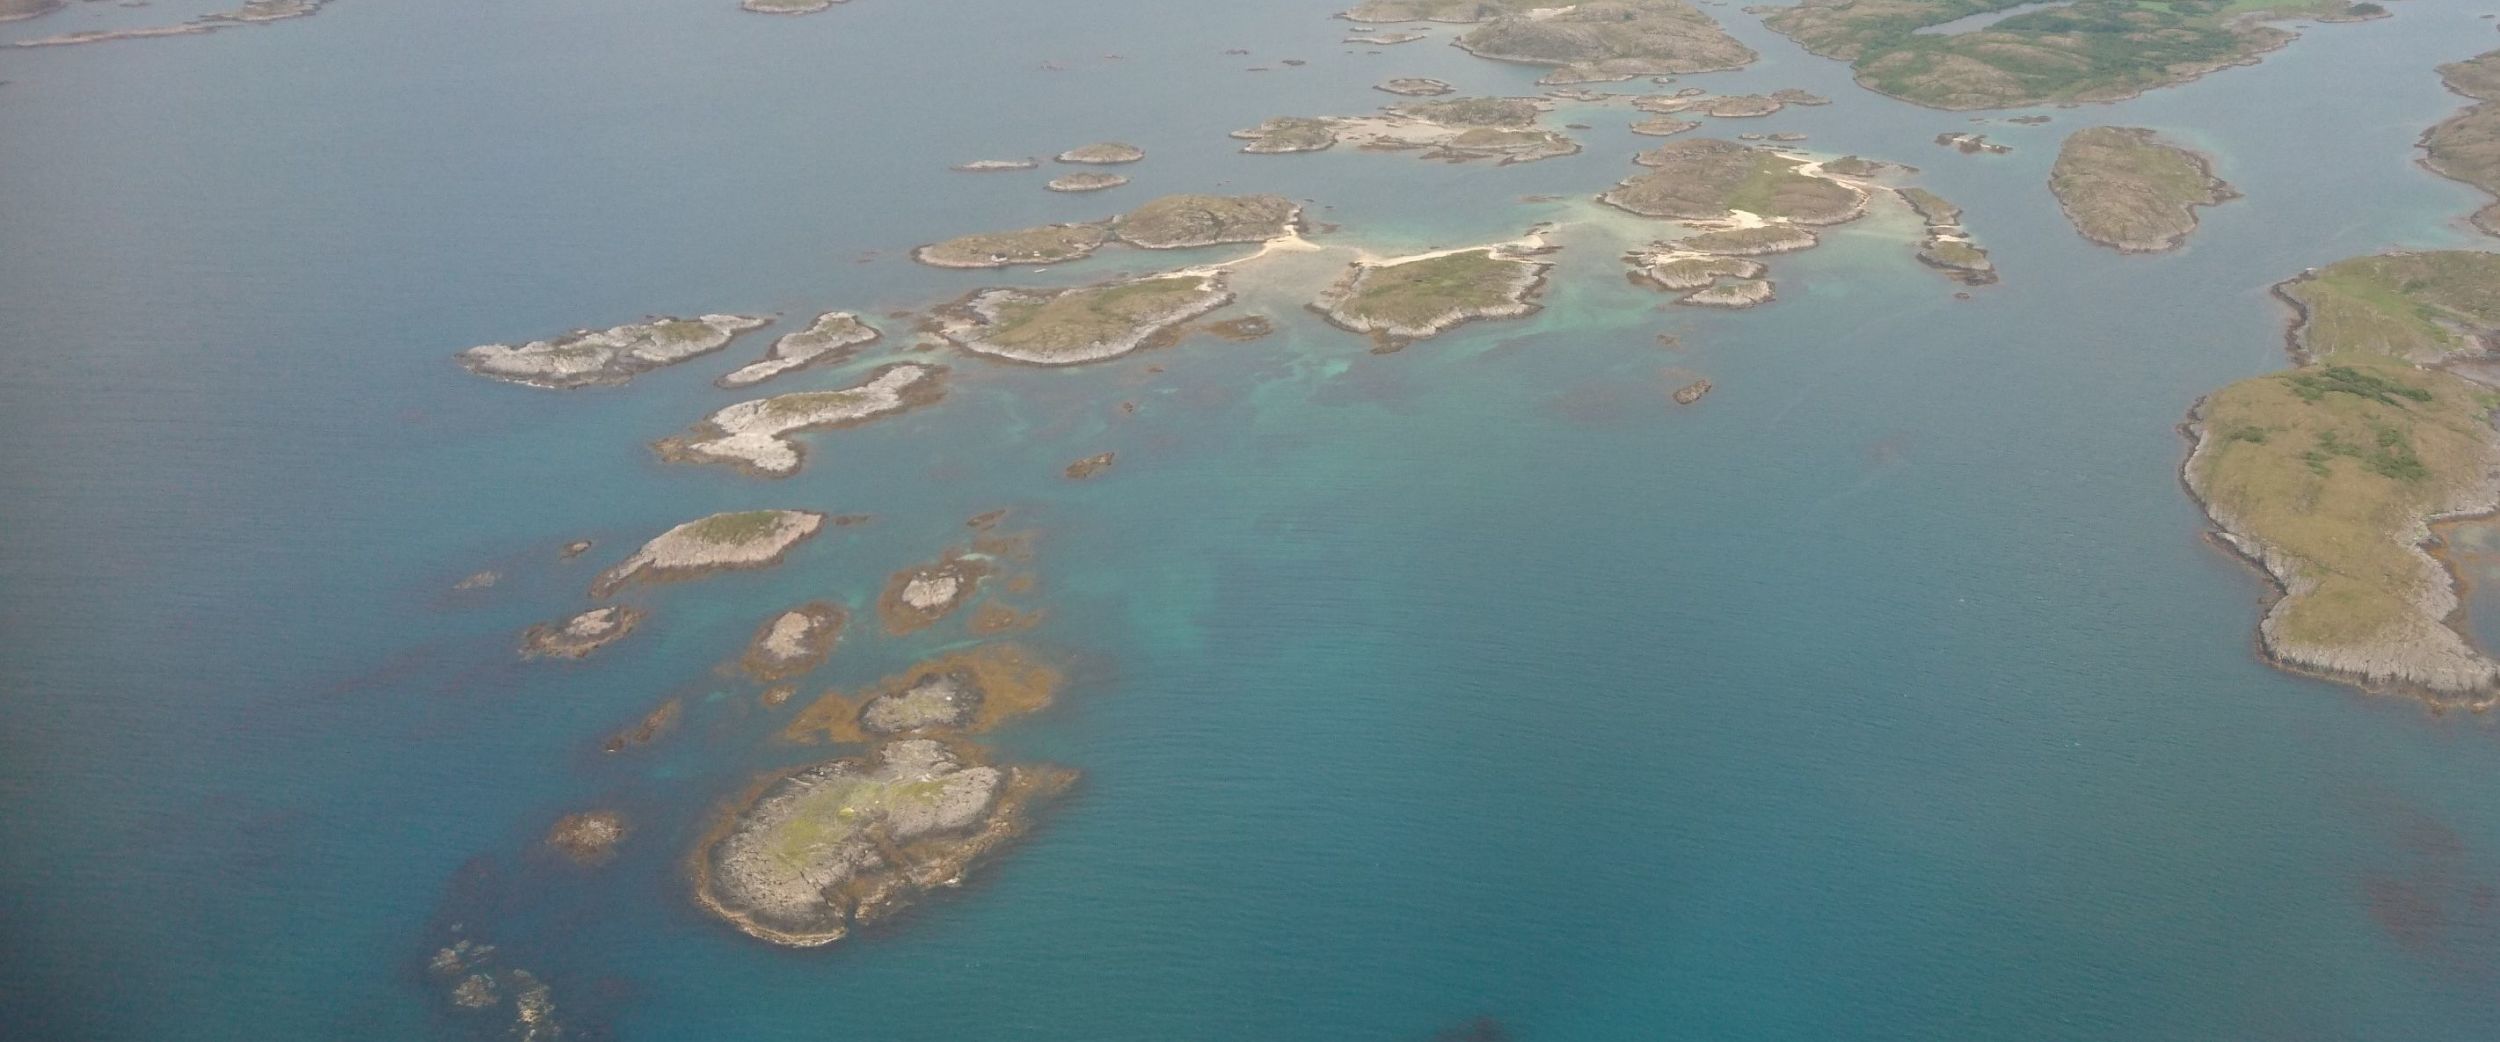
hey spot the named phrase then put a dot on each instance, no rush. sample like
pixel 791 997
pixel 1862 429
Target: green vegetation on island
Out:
pixel 2089 50
pixel 1182 221
pixel 720 542
pixel 2329 475
pixel 1603 41
pixel 1711 179
pixel 1084 324
pixel 2466 146
pixel 2128 189
pixel 1048 244
pixel 1402 300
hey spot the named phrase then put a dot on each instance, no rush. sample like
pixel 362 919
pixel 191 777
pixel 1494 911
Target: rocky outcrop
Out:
pixel 721 542
pixel 835 337
pixel 580 635
pixel 756 436
pixel 607 357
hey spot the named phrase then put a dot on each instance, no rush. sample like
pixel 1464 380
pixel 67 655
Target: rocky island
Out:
pixel 1585 43
pixel 2087 50
pixel 1948 248
pixel 2329 476
pixel 1404 299
pixel 1176 222
pixel 794 641
pixel 1048 244
pixel 253 12
pixel 2466 146
pixel 835 337
pixel 607 357
pixel 1088 181
pixel 754 436
pixel 1712 179
pixel 580 635
pixel 1103 153
pixel 1083 324
pixel 1453 129
pixel 1416 87
pixel 2128 189
pixel 589 837
pixel 719 543
pixel 787 6
pixel 808 855
pixel 995 166
pixel 958 693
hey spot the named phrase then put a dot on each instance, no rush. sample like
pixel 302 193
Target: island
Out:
pixel 1663 126
pixel 607 357
pixel 960 692
pixel 1740 106
pixel 2128 189
pixel 17 10
pixel 755 435
pixel 2328 477
pixel 1749 240
pixel 2466 146
pixel 1585 43
pixel 835 337
pixel 722 542
pixel 1416 86
pixel 917 597
pixel 1048 244
pixel 1084 182
pixel 475 982
pixel 253 12
pixel 1183 221
pixel 995 166
pixel 1453 129
pixel 1704 279
pixel 1103 153
pixel 787 6
pixel 1399 300
pixel 1083 324
pixel 589 837
pixel 806 856
pixel 1089 466
pixel 1948 248
pixel 794 641
pixel 2087 50
pixel 580 635
pixel 1712 179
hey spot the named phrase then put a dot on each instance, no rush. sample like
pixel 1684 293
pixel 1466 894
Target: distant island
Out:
pixel 1083 324
pixel 719 543
pixel 2328 476
pixel 1585 43
pixel 253 12
pixel 2466 146
pixel 608 357
pixel 2129 189
pixel 1400 300
pixel 1453 129
pixel 1168 223
pixel 2088 50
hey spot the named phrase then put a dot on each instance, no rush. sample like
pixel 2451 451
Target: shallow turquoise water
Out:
pixel 1889 693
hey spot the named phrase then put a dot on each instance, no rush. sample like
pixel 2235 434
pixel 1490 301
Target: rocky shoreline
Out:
pixel 755 436
pixel 2125 188
pixel 608 357
pixel 721 542
pixel 1079 325
pixel 834 337
pixel 1380 298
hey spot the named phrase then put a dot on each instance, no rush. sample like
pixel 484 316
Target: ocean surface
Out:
pixel 1891 692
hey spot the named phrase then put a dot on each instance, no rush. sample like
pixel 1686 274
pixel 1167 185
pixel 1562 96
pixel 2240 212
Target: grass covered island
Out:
pixel 2128 189
pixel 2466 146
pixel 1401 300
pixel 722 542
pixel 1605 41
pixel 2088 50
pixel 2329 476
pixel 1083 324
pixel 1712 179
pixel 607 357
pixel 808 855
pixel 754 435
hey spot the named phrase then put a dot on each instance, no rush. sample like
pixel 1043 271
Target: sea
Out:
pixel 1893 691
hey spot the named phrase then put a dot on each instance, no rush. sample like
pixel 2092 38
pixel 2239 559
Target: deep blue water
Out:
pixel 1890 693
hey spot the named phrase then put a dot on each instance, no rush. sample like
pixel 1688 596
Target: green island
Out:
pixel 755 435
pixel 1103 153
pixel 608 357
pixel 1712 179
pixel 1452 129
pixel 1085 181
pixel 834 337
pixel 2128 189
pixel 1416 86
pixel 1585 43
pixel 721 542
pixel 1402 300
pixel 2089 50
pixel 2466 146
pixel 1047 244
pixel 1083 324
pixel 808 855
pixel 2329 476
pixel 1171 222
pixel 1948 248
